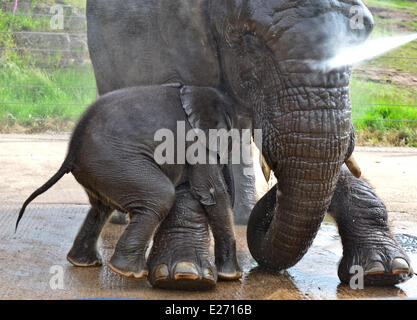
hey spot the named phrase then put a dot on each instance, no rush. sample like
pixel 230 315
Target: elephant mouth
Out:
pixel 314 67
pixel 351 164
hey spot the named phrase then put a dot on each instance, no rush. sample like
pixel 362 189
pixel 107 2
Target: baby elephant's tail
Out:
pixel 65 168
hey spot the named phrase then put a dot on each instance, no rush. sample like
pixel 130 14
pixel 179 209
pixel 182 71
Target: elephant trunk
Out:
pixel 285 221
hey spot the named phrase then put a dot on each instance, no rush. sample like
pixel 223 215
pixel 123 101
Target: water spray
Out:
pixel 368 50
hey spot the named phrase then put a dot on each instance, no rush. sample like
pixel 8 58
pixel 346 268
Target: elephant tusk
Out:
pixel 353 167
pixel 265 169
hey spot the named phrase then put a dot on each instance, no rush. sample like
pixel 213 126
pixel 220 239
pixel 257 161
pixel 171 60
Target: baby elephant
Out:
pixel 112 155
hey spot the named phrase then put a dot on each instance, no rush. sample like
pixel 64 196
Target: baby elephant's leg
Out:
pixel 209 185
pixel 135 184
pixel 180 254
pixel 367 240
pixel 220 218
pixel 84 249
pixel 148 196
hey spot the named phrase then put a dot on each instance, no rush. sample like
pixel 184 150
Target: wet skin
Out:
pixel 260 53
pixel 363 226
pixel 367 240
pixel 112 155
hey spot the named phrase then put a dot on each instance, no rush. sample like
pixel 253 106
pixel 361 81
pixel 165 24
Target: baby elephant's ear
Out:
pixel 207 108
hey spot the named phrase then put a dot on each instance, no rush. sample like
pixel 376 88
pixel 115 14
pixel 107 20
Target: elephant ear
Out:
pixel 207 108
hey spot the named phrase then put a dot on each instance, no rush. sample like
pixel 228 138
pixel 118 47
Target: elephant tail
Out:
pixel 66 167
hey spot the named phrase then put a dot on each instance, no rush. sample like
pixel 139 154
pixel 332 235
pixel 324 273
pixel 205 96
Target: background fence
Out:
pixel 46 77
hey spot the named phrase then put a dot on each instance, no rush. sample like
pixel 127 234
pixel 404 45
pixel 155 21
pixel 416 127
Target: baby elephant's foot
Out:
pixel 129 265
pixel 180 254
pixel 227 266
pixel 229 272
pixel 383 262
pixel 84 256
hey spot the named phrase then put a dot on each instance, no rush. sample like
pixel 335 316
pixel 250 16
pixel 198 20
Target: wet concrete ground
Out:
pixel 51 223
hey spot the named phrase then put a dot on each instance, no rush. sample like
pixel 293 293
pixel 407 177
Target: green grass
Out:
pixel 17 23
pixel 366 92
pixel 76 3
pixel 384 24
pixel 23 114
pixel 20 68
pixel 392 4
pixel 405 51
pixel 398 133
pixel 392 132
pixel 39 106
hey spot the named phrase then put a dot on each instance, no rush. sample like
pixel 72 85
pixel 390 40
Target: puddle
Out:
pixel 316 274
pixel 34 250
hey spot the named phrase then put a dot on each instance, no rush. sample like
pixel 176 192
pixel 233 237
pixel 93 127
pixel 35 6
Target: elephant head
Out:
pixel 274 54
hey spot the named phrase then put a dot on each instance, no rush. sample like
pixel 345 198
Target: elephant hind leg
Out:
pixel 180 253
pixel 147 194
pixel 367 240
pixel 84 251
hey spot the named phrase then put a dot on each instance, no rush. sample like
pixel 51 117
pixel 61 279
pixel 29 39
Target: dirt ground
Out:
pixel 396 18
pixel 30 258
pixel 386 75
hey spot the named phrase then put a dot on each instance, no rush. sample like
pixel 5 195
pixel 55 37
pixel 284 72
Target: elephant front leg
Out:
pixel 224 238
pixel 367 241
pixel 213 195
pixel 180 253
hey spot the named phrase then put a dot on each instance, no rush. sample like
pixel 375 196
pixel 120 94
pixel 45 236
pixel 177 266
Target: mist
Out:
pixel 368 50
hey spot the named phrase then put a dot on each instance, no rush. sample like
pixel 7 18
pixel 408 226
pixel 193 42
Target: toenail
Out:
pixel 161 272
pixel 374 267
pixel 208 275
pixel 185 270
pixel 399 265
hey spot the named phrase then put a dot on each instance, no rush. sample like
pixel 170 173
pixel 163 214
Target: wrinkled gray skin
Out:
pixel 111 154
pixel 269 56
pixel 363 226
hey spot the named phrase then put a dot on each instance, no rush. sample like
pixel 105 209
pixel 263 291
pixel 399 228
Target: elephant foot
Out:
pixel 84 258
pixel 180 259
pixel 180 254
pixel 183 275
pixel 226 262
pixel 362 219
pixel 229 271
pixel 128 266
pixel 383 261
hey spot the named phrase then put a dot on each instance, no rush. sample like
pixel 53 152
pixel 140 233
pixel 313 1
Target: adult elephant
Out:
pixel 270 57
